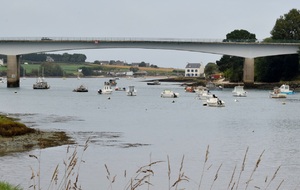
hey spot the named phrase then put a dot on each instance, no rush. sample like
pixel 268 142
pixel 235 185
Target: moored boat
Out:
pixel 41 84
pixel 169 94
pixel 112 82
pixel 277 94
pixel 156 82
pixel 106 89
pixel 214 102
pixel 239 91
pixel 131 91
pixel 189 89
pixel 285 89
pixel 81 88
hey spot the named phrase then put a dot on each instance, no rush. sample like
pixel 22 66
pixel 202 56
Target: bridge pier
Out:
pixel 248 75
pixel 13 71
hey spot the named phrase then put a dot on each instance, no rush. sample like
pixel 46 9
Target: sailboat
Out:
pixel 41 83
pixel 78 73
pixel 24 71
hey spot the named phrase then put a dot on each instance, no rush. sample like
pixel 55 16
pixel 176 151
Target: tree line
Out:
pixel 42 57
pixel 267 69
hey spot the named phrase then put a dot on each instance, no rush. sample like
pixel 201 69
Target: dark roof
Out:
pixel 193 65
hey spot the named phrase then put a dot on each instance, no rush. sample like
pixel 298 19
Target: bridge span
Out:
pixel 13 48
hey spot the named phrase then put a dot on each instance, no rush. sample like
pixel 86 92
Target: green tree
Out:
pixel 281 67
pixel 240 36
pixel 142 64
pixel 87 71
pixel 287 27
pixel 211 68
pixel 232 66
pixel 134 69
pixel 51 69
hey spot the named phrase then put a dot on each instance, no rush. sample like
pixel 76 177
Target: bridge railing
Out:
pixel 131 39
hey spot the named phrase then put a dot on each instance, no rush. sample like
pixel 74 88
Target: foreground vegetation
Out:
pixel 7 186
pixel 143 177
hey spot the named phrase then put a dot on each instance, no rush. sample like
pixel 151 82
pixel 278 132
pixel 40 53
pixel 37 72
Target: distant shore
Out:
pixel 295 85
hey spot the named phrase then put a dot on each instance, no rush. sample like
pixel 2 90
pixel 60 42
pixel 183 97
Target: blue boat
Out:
pixel 285 89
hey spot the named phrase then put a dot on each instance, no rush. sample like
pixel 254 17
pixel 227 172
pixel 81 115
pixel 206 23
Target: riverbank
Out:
pixel 17 137
pixel 295 85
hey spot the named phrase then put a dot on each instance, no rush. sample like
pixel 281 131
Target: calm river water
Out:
pixel 127 133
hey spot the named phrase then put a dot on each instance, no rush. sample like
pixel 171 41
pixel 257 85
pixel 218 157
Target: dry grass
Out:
pixel 70 177
pixel 141 179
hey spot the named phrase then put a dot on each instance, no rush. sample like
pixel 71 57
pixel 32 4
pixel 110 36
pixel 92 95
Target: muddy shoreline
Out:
pixel 31 141
pixel 17 137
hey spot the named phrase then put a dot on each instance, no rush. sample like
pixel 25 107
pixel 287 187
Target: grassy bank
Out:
pixel 17 137
pixel 9 127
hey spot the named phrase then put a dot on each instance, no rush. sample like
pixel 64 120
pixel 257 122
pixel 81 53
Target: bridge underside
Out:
pixel 13 71
pixel 15 48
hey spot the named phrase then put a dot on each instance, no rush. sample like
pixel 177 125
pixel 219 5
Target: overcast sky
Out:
pixel 196 19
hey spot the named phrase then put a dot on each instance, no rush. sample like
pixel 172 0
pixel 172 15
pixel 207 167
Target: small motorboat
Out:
pixel 203 93
pixel 189 89
pixel 277 94
pixel 1 80
pixel 106 89
pixel 214 101
pixel 239 91
pixel 120 89
pixel 131 91
pixel 81 88
pixel 156 82
pixel 41 84
pixel 285 89
pixel 112 82
pixel 169 94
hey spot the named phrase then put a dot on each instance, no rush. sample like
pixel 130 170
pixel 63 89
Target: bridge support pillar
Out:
pixel 248 76
pixel 13 71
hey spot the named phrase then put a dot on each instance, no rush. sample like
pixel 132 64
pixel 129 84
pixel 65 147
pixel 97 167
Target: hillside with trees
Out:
pixel 281 67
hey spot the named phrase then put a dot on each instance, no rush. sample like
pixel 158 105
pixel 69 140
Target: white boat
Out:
pixel 169 94
pixel 81 88
pixel 239 91
pixel 277 94
pixel 285 89
pixel 106 89
pixel 214 102
pixel 203 93
pixel 156 82
pixel 41 84
pixel 1 80
pixel 131 91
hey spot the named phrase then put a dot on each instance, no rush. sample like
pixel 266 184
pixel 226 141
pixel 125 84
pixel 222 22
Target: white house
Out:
pixel 194 70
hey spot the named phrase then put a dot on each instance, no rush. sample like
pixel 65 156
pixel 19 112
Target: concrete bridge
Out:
pixel 14 47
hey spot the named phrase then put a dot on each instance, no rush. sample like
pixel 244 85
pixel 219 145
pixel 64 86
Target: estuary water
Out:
pixel 126 133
